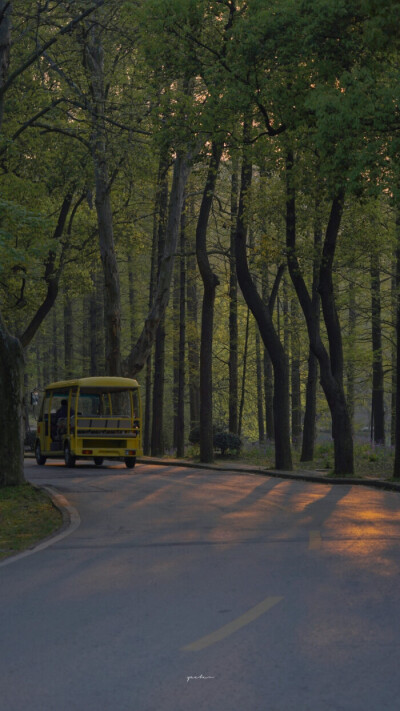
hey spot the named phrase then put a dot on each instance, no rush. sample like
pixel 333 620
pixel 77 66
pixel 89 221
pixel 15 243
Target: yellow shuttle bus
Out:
pixel 90 418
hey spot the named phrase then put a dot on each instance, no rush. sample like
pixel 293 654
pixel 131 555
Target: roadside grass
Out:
pixel 374 461
pixel 370 461
pixel 27 515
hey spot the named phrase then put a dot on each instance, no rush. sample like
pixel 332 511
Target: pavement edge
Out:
pixel 294 475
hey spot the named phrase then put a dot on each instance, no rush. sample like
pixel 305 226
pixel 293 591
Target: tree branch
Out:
pixel 51 277
pixel 41 49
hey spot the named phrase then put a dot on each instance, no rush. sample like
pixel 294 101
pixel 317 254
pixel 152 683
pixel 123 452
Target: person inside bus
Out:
pixel 57 425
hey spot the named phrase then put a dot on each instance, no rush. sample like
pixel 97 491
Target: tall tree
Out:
pixel 94 59
pixel 378 408
pixel 233 309
pixel 210 283
pixel 193 345
pixel 309 425
pixel 157 420
pixel 396 468
pixel 260 400
pixel 331 364
pixel 295 374
pixel 263 316
pixel 180 408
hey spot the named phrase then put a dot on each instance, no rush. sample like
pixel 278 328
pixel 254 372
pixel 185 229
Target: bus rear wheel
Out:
pixel 98 461
pixel 69 458
pixel 130 462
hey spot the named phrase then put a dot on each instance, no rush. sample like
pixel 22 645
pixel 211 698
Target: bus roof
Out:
pixel 107 381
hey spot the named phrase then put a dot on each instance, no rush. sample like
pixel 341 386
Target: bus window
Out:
pixel 90 404
pixel 44 412
pixel 136 405
pixel 120 403
pixel 59 413
pixel 103 404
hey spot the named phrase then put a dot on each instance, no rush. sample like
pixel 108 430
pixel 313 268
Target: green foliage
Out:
pixel 223 440
pixel 194 434
pixel 227 441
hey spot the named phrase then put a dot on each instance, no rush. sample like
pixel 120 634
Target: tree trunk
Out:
pixel 332 368
pixel 331 365
pixel 378 409
pixel 96 326
pixel 54 346
pixel 351 364
pixel 11 352
pixel 210 283
pixel 295 374
pixel 132 302
pixel 233 311
pixel 84 345
pixel 180 422
pixel 394 299
pixel 263 316
pixel 94 56
pixel 310 413
pixel 138 357
pixel 193 341
pixel 52 272
pixel 11 410
pixel 68 337
pixel 147 408
pixel 157 427
pixel 396 469
pixel 260 406
pixel 244 373
pixel 268 373
pixel 175 351
pixel 158 213
pixel 5 43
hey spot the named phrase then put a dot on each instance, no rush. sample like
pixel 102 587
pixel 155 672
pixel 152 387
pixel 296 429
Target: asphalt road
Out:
pixel 190 589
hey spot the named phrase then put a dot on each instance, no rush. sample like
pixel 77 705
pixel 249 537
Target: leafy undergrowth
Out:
pixel 369 461
pixel 374 461
pixel 27 515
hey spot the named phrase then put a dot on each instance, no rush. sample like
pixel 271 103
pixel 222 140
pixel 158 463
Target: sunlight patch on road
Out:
pixel 315 540
pixel 233 626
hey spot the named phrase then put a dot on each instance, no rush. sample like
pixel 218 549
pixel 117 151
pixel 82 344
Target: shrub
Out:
pixel 194 434
pixel 227 441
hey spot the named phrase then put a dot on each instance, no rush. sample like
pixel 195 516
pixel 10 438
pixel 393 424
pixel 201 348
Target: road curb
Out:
pixel 70 522
pixel 294 476
pixel 375 483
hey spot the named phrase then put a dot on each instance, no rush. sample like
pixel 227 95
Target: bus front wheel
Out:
pixel 40 458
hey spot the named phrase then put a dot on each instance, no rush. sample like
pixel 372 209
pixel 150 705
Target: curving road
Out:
pixel 192 589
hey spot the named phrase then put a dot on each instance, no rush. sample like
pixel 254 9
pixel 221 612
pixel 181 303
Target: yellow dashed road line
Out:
pixel 233 626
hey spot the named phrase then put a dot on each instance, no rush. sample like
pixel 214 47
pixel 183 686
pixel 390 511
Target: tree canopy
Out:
pixel 154 156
